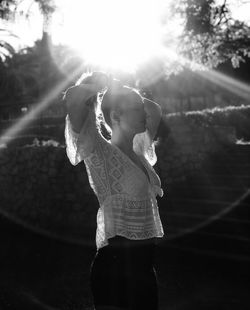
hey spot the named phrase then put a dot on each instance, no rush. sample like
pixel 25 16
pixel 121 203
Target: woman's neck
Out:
pixel 123 141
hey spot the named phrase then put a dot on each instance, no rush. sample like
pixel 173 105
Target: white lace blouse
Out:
pixel 126 195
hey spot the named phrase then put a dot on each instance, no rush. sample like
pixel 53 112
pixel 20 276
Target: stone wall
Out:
pixel 187 147
pixel 42 190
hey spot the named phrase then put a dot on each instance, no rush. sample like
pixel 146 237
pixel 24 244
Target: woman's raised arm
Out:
pixel 78 102
pixel 79 99
pixel 81 132
pixel 154 113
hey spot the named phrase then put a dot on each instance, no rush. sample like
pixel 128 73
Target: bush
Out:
pixel 237 117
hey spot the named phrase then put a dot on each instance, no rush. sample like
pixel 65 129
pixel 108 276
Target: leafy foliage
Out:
pixel 6 48
pixel 211 35
pixel 27 75
pixel 8 8
pixel 236 117
pixel 47 7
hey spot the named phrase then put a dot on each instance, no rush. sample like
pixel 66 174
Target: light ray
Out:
pixel 11 132
pixel 232 85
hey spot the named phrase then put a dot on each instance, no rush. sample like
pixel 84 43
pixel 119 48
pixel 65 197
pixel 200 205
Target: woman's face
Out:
pixel 132 117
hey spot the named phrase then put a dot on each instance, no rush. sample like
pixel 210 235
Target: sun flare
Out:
pixel 112 33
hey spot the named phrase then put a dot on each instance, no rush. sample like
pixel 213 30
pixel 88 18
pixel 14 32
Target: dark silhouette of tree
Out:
pixel 32 68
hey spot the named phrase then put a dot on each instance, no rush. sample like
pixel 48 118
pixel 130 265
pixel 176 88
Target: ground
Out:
pixel 38 272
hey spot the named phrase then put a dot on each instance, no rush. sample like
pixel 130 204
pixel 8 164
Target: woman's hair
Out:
pixel 114 99
pixel 85 78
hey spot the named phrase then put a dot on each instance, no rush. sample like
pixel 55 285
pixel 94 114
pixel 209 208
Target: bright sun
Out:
pixel 116 34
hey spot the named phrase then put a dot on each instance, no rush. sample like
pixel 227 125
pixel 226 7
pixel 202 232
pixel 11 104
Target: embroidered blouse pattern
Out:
pixel 126 195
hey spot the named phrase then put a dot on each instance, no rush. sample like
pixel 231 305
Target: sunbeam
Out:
pixel 232 85
pixel 11 132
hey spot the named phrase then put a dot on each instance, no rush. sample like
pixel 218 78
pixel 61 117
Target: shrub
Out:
pixel 237 117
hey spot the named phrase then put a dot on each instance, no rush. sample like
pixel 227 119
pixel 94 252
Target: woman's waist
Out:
pixel 126 199
pixel 137 254
pixel 120 241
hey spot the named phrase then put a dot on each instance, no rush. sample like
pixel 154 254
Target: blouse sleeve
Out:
pixel 154 114
pixel 144 145
pixel 80 145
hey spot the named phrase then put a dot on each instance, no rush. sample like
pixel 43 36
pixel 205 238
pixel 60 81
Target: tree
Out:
pixel 6 49
pixel 211 36
pixel 9 10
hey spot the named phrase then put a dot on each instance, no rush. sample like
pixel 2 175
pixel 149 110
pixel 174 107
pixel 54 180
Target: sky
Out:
pixel 241 11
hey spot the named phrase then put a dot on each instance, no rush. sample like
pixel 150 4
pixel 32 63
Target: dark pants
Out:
pixel 123 276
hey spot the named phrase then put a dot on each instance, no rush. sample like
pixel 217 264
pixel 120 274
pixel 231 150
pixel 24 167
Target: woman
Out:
pixel 126 185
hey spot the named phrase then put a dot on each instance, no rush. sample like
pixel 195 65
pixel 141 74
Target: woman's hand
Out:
pixel 99 79
pixel 79 102
pixel 78 95
pixel 89 87
pixel 80 98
